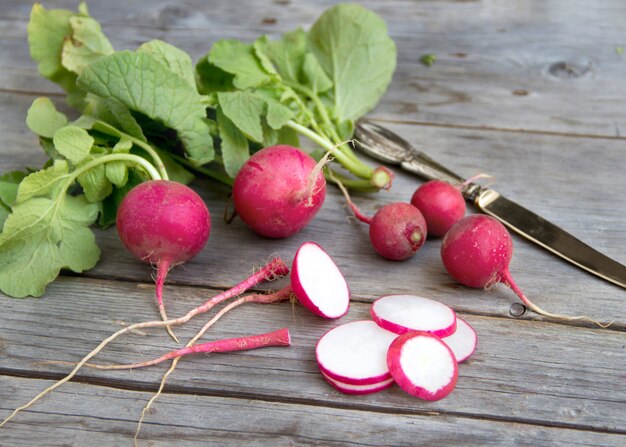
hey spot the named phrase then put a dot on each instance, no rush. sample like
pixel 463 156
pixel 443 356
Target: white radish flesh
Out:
pixel 355 353
pixel 463 342
pixel 422 365
pixel 406 313
pixel 348 388
pixel 317 282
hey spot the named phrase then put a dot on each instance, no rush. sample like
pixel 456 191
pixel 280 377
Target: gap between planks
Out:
pixel 174 390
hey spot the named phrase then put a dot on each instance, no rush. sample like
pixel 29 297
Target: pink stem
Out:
pixel 277 338
pixel 355 209
pixel 281 295
pixel 275 268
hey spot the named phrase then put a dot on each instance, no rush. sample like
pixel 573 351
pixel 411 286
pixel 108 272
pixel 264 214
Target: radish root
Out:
pixel 282 295
pixel 355 210
pixel 276 267
pixel 507 280
pixel 163 269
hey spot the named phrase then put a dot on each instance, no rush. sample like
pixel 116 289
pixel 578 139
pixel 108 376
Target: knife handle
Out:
pixel 424 166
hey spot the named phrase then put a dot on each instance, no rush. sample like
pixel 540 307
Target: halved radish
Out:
pixel 348 388
pixel 463 342
pixel 422 365
pixel 317 282
pixel 355 353
pixel 406 313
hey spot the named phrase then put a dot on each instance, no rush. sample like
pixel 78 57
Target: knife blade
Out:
pixel 387 146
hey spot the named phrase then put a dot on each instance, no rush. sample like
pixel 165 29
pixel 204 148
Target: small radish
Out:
pixel 477 250
pixel 442 205
pixel 407 313
pixel 422 365
pixel 463 342
pixel 278 191
pixel 397 230
pixel 317 282
pixel 164 223
pixel 355 353
pixel 348 388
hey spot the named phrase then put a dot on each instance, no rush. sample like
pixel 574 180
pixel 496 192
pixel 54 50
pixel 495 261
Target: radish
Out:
pixel 164 223
pixel 278 191
pixel 348 388
pixel 397 230
pixel 354 353
pixel 463 342
pixel 477 250
pixel 422 365
pixel 442 205
pixel 317 282
pixel 407 313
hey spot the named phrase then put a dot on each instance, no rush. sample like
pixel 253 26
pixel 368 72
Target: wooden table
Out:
pixel 531 92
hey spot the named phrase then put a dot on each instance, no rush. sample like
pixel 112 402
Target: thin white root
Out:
pixel 168 328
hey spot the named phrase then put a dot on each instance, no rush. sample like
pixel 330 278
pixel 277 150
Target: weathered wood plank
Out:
pixel 548 66
pixel 523 371
pixel 544 173
pixel 93 415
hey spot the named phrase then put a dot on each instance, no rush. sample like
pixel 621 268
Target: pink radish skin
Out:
pixel 164 223
pixel 463 342
pixel 317 282
pixel 441 204
pixel 422 365
pixel 280 337
pixel 477 251
pixel 347 388
pixel 278 191
pixel 397 231
pixel 407 313
pixel 355 353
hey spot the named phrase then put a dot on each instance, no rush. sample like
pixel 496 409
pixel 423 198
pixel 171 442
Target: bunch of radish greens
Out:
pixel 150 113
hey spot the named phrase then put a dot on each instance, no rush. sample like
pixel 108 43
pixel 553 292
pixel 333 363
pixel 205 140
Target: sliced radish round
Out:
pixel 463 342
pixel 358 389
pixel 355 353
pixel 317 282
pixel 422 365
pixel 407 313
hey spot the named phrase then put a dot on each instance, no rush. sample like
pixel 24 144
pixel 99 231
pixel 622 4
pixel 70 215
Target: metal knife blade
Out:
pixel 387 146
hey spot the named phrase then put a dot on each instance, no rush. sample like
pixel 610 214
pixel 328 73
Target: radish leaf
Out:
pixel 43 118
pixel 352 45
pixel 142 83
pixel 42 236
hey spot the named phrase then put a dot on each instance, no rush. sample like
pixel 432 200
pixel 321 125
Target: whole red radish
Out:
pixel 477 251
pixel 163 223
pixel 442 205
pixel 278 191
pixel 397 231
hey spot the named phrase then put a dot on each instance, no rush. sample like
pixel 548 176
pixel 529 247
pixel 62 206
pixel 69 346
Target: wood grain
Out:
pixel 531 93
pixel 545 66
pixel 94 415
pixel 533 372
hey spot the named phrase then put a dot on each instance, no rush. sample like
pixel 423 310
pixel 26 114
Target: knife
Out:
pixel 387 146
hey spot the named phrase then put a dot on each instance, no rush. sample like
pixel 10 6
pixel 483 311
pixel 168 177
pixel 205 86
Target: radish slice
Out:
pixel 407 313
pixel 463 342
pixel 317 282
pixel 348 388
pixel 355 353
pixel 422 365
